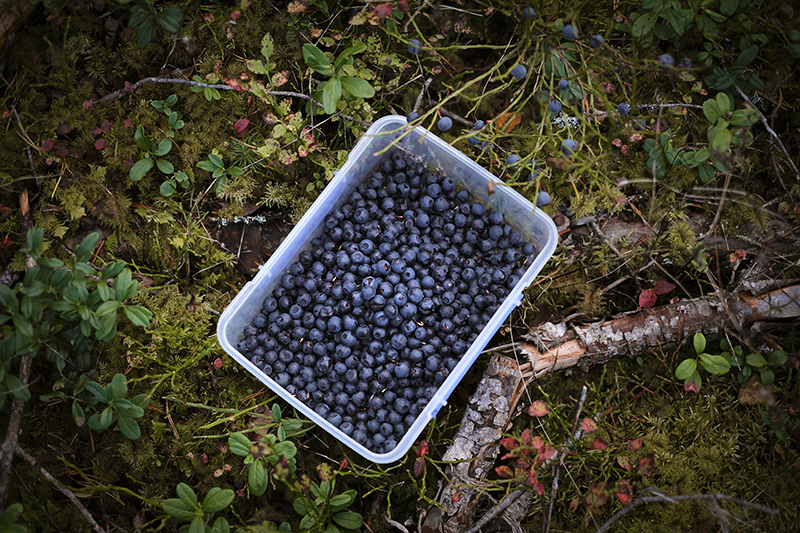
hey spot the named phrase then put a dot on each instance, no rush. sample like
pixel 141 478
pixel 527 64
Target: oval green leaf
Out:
pixel 686 369
pixel 141 168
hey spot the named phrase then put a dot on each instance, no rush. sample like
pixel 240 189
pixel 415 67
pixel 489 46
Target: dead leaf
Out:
pixel 624 492
pixel 539 408
pixel 513 119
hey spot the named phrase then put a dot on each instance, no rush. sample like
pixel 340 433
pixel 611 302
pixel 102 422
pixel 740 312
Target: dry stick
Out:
pixel 663 498
pixel 421 94
pixel 769 130
pixel 65 491
pixel 9 446
pixel 30 158
pixel 127 90
pixel 511 498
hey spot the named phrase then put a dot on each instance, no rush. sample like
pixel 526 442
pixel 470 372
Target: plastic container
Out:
pixel 383 137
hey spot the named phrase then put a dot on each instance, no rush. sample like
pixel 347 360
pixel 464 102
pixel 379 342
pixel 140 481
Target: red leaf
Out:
pixel 241 124
pixel 599 444
pixel 692 383
pixel 344 464
pixel 624 492
pixel 100 143
pixel 96 131
pixel 537 443
pixel 457 497
pixel 646 464
pixel 663 287
pixel 235 15
pixel 127 123
pixel 647 299
pixel 635 444
pixel 538 408
pixel 106 126
pixel 525 438
pixel 402 5
pixel 624 462
pixel 383 11
pixel 419 466
pixel 509 443
pixel 531 479
pixel 504 472
pixel 598 494
pixel 47 145
pixel 547 453
pixel 422 448
pixel 589 425
pixel 538 488
pixel 234 84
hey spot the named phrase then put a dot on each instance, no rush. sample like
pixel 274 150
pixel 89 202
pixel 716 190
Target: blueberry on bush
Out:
pixel 563 85
pixel 569 147
pixel 623 108
pixel 543 199
pixel 512 160
pixel 666 61
pixel 555 106
pixel 570 32
pixel 445 123
pixel 686 62
pixel 596 41
pixel 414 46
pixel 529 13
pixel 412 117
pixel 519 71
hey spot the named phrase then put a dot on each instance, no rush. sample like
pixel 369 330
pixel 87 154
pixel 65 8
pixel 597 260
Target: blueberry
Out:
pixel 686 62
pixel 543 199
pixel 519 71
pixel 596 41
pixel 555 106
pixel 569 147
pixel 445 123
pixel 563 85
pixel 666 61
pixel 412 117
pixel 512 160
pixel 623 108
pixel 478 125
pixel 570 32
pixel 414 46
pixel 529 13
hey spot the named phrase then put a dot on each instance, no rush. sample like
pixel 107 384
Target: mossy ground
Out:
pixel 62 65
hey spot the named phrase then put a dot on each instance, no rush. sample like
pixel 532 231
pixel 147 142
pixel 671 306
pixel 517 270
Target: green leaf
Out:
pixel 257 478
pixel 728 7
pixel 715 364
pixel 141 168
pixel 220 526
pixel 767 376
pixel 145 33
pixel 342 499
pixel 112 269
pixel 699 343
pixel 17 388
pixel 119 386
pixel 315 59
pixel 142 141
pixel 106 418
pixel 256 66
pixel 206 165
pixel 686 368
pixel 216 161
pixel 187 496
pixel 778 357
pixel 217 499
pixel 129 428
pixel 166 188
pixel 331 95
pixel 234 171
pixel 165 166
pixel 307 522
pixel 276 413
pixel 299 506
pixel 163 148
pixel 239 444
pixel 711 110
pixel 170 19
pixel 357 87
pixel 267 46
pixel 744 117
pixel 644 24
pixel 747 56
pixel 107 307
pixel 724 104
pixel 756 360
pixel 344 56
pixel 721 142
pixel 138 315
pixel 348 520
pixel 197 525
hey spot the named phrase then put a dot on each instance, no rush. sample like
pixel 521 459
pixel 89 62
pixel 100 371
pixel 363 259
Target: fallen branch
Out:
pixel 63 490
pixel 663 498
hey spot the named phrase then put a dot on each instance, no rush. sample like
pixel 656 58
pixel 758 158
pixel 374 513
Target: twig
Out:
pixel 769 130
pixel 421 94
pixel 65 491
pixel 496 510
pixel 220 87
pixel 28 148
pixel 396 524
pixel 663 498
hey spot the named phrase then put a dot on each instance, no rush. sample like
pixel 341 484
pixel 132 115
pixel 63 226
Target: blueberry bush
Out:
pixel 162 150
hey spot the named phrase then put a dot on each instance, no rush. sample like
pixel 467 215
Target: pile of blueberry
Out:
pixel 368 323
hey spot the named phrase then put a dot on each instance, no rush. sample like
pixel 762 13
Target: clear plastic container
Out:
pixel 383 137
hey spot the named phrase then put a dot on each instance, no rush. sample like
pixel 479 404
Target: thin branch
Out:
pixel 220 87
pixel 496 510
pixel 63 490
pixel 663 498
pixel 421 94
pixel 769 130
pixel 28 148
